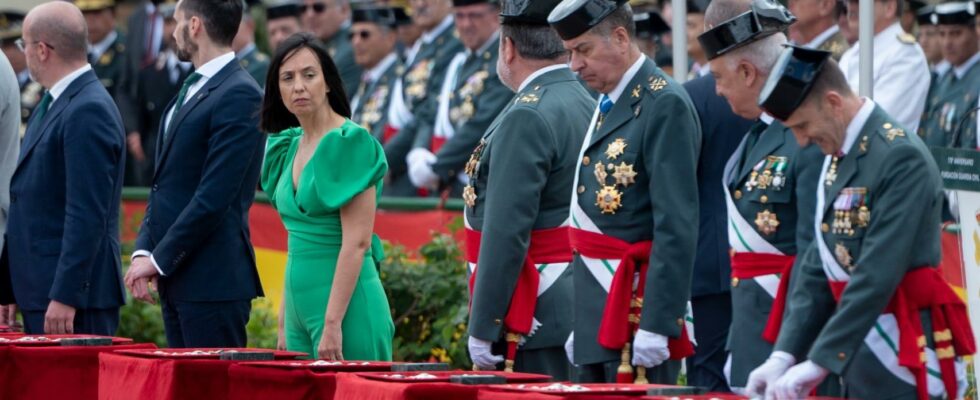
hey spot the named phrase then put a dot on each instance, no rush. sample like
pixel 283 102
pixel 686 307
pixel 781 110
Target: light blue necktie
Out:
pixel 605 104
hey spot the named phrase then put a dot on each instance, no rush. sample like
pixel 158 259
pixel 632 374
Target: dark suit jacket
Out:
pixel 196 223
pixel 723 131
pixel 63 232
pixel 154 92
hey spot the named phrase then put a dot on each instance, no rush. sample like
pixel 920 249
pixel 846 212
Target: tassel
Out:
pixel 624 374
pixel 641 376
pixel 512 340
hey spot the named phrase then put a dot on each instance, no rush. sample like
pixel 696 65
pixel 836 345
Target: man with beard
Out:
pixel 194 240
pixel 329 20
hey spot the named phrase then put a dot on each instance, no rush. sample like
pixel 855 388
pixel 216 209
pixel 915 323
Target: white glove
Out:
pixel 649 349
pixel 420 169
pixel 797 382
pixel 765 375
pixel 481 356
pixel 570 348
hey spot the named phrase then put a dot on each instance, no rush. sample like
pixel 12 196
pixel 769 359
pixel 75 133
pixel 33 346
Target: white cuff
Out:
pixel 783 356
pixel 144 253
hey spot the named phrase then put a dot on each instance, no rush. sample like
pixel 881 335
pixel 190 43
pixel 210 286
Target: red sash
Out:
pixel 390 132
pixel 750 265
pixel 547 246
pixel 617 327
pixel 925 288
pixel 437 142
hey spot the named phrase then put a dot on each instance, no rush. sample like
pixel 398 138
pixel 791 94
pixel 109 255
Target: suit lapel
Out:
pixel 769 141
pixel 37 129
pixel 627 108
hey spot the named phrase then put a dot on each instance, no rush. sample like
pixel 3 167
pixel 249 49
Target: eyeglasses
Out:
pixel 364 35
pixel 22 45
pixel 317 8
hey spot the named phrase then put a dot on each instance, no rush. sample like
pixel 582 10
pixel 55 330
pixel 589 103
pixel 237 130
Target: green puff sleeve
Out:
pixel 348 161
pixel 277 159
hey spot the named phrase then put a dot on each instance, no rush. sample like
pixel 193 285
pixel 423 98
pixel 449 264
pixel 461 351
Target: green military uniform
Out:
pixel 636 182
pixel 770 184
pixel 519 183
pixel 342 52
pixel 255 63
pixel 109 65
pixel 475 97
pixel 414 100
pixel 373 96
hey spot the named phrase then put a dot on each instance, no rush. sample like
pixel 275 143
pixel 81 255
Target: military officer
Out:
pixel 107 45
pixel 517 201
pixel 769 180
pixel 30 91
pixel 867 301
pixel 415 93
pixel 899 64
pixel 328 20
pixel 930 42
pixel 282 21
pixel 249 56
pixel 470 98
pixel 373 37
pixel 816 26
pixel 946 121
pixel 634 205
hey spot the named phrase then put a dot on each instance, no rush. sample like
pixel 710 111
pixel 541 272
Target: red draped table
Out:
pixel 297 379
pixel 38 367
pixel 183 374
pixel 565 390
pixel 406 386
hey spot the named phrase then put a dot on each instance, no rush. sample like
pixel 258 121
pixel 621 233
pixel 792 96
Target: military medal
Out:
pixel 600 173
pixel 766 222
pixel 624 174
pixel 831 172
pixel 469 195
pixel 608 199
pixel 779 178
pixel 753 180
pixel 616 148
pixel 843 256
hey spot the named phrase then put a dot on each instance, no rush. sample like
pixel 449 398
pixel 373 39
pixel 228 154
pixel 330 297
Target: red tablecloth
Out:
pixel 53 372
pixel 600 391
pixel 290 379
pixel 376 386
pixel 149 376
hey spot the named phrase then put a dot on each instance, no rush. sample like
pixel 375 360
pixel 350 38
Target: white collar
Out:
pixel 822 37
pixel 98 48
pixel 542 71
pixel 941 67
pixel 245 50
pixel 486 45
pixel 856 125
pixel 891 32
pixel 63 84
pixel 627 77
pixel 375 73
pixel 766 118
pixel 429 36
pixel 702 70
pixel 210 68
pixel 962 69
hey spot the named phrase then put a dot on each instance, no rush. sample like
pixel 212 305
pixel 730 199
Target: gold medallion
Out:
pixel 843 256
pixel 608 199
pixel 765 179
pixel 863 217
pixel 766 222
pixel 624 174
pixel 469 196
pixel 600 173
pixel 616 148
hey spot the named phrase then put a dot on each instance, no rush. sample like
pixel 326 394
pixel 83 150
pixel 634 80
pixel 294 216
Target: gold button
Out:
pixel 887 125
pixel 734 282
pixel 764 199
pixel 680 322
pixel 586 160
pixel 824 227
pixel 738 194
pixel 581 189
pixel 841 355
pixel 497 321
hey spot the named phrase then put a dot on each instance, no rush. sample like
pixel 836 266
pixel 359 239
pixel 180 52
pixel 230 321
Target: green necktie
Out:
pixel 42 107
pixel 190 80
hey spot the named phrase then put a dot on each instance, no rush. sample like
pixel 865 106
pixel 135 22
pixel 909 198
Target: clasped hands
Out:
pixel 779 379
pixel 141 278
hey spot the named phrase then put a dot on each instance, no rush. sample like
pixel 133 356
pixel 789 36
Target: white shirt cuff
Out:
pixel 144 253
pixel 783 356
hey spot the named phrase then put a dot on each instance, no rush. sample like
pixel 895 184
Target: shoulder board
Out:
pixel 530 96
pixel 906 38
pixel 654 83
pixel 892 133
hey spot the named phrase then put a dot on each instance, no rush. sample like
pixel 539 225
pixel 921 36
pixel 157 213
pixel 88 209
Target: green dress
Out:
pixel 347 161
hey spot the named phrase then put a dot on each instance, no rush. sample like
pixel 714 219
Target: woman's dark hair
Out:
pixel 275 116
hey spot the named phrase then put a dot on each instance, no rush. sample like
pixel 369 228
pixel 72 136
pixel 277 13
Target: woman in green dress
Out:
pixel 323 174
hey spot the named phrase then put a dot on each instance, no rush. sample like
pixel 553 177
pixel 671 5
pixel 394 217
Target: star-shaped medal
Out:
pixel 624 174
pixel 469 196
pixel 608 199
pixel 600 173
pixel 616 148
pixel 766 222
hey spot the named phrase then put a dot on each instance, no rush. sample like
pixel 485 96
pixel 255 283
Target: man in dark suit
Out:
pixel 63 235
pixel 195 235
pixel 710 289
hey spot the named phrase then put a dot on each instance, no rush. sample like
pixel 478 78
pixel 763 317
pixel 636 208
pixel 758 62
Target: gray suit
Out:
pixel 9 135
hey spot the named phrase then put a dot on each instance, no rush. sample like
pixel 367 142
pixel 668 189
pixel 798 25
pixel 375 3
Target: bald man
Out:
pixel 62 243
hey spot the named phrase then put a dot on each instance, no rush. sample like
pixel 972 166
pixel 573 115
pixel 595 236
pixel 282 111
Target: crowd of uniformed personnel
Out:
pixel 618 209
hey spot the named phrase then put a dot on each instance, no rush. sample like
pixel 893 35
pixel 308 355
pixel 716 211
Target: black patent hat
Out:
pixel 765 18
pixel 572 18
pixel 791 79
